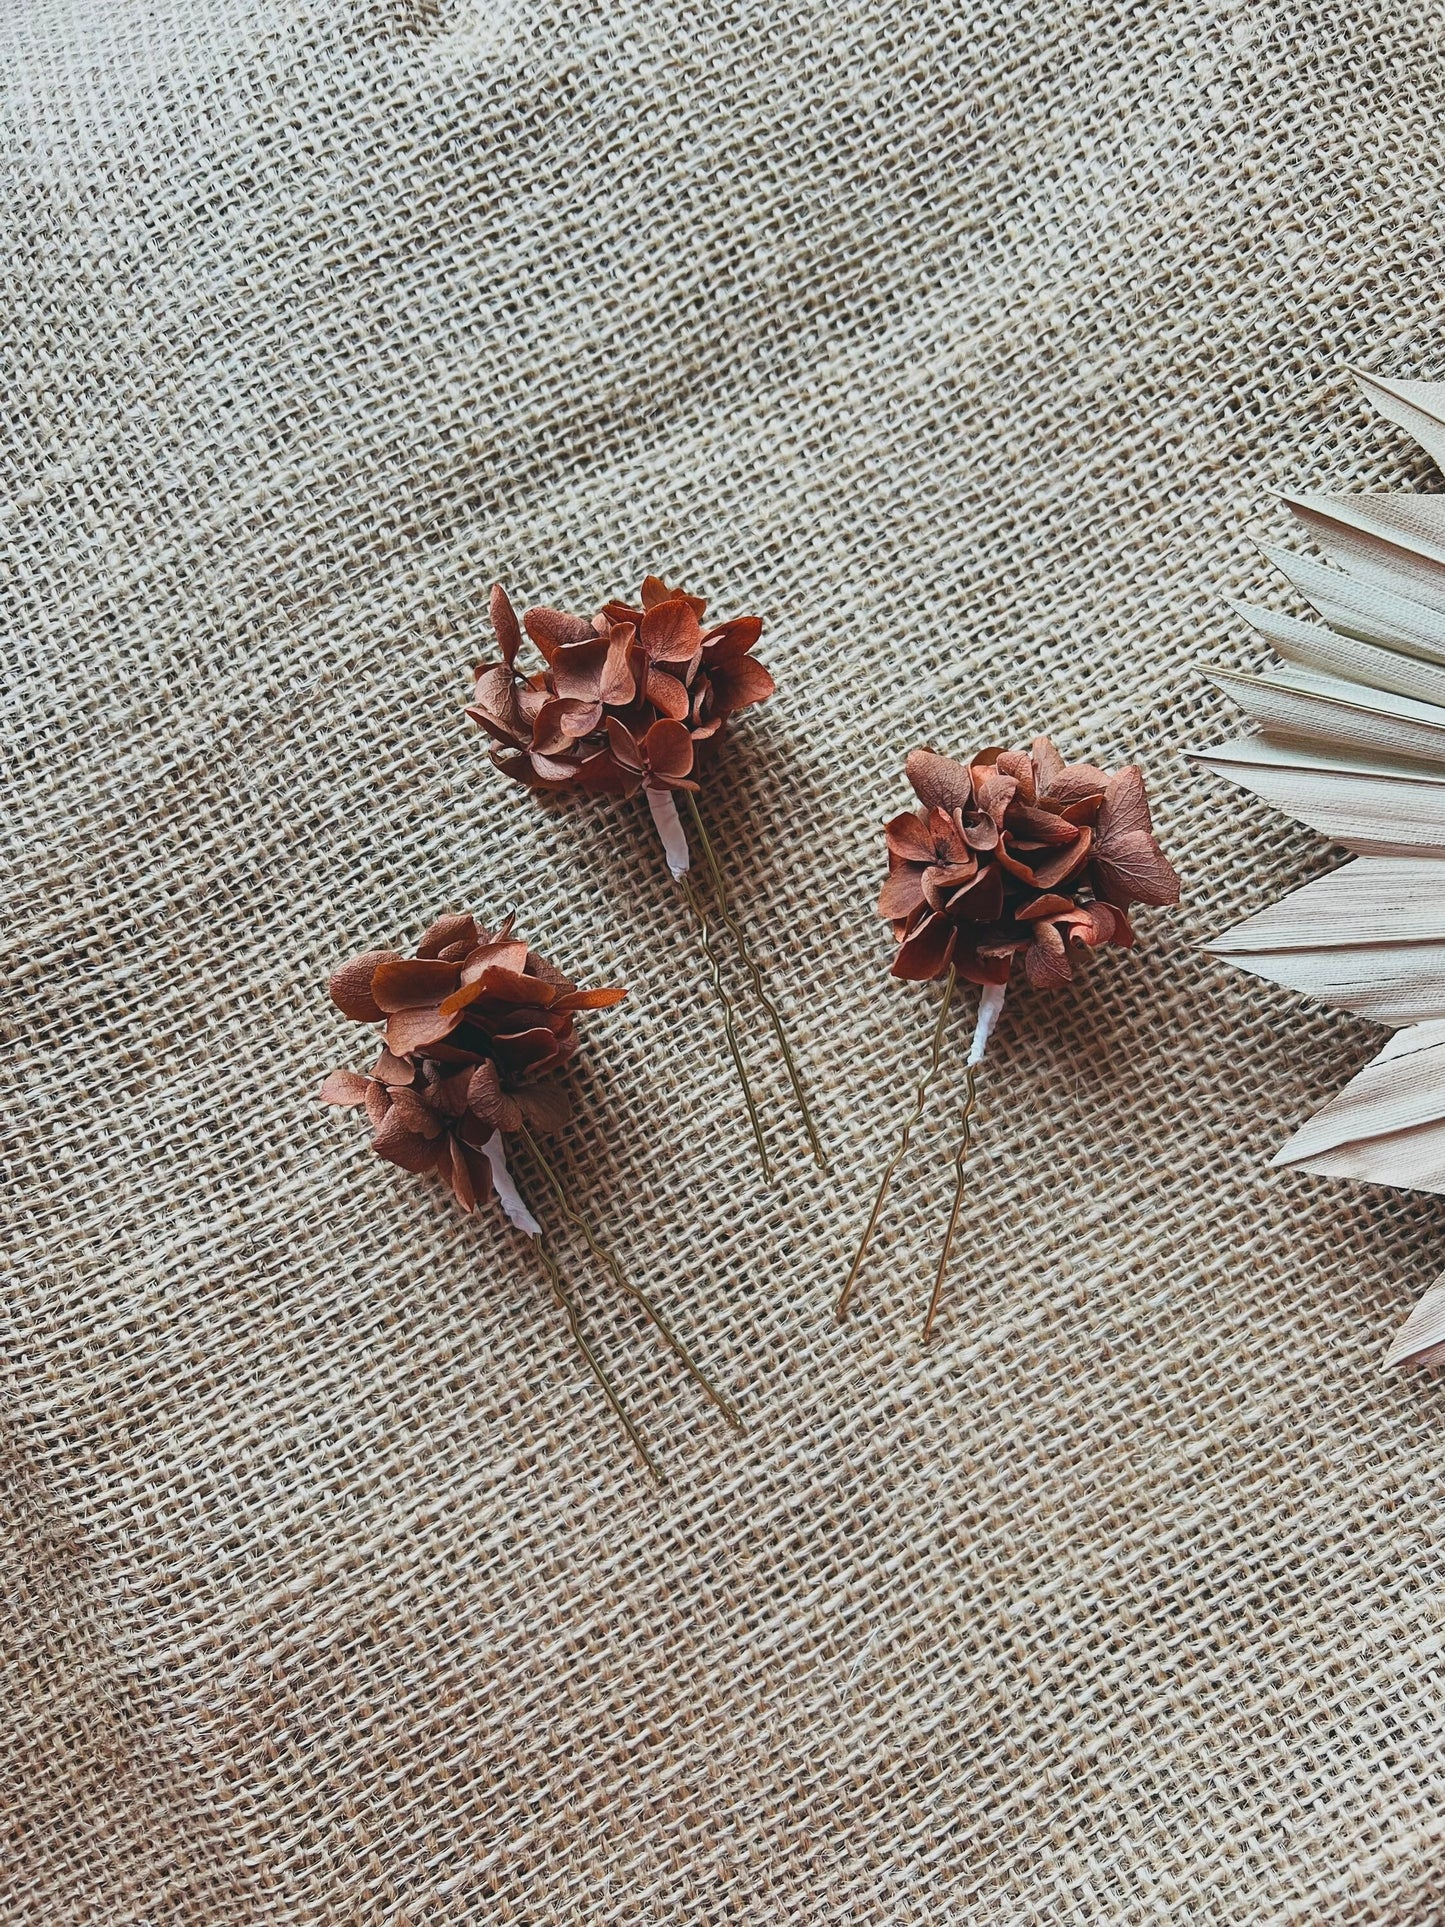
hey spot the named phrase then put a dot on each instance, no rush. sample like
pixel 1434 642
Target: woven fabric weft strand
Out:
pixel 961 344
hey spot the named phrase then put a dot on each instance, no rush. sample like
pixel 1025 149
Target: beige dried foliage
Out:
pixel 1351 740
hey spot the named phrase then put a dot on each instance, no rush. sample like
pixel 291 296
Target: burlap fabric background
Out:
pixel 967 345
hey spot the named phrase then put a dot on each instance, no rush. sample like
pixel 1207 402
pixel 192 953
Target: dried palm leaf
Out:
pixel 1351 740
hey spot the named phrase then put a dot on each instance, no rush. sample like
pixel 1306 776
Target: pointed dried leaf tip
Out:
pixel 1420 1341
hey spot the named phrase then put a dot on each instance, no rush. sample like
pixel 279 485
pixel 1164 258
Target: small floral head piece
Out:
pixel 474 1026
pixel 1014 855
pixel 632 701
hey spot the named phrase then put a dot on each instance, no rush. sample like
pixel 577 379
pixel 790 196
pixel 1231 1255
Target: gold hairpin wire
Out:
pixel 841 1309
pixel 958 1157
pixel 774 1017
pixel 640 1298
pixel 594 1363
pixel 694 903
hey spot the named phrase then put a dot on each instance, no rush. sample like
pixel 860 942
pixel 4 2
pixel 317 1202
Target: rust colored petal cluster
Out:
pixel 475 1024
pixel 1017 852
pixel 623 698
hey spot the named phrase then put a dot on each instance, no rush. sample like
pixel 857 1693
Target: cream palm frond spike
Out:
pixel 1351 740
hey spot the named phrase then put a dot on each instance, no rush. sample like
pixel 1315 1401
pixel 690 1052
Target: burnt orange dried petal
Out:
pixel 526 1053
pixel 655 590
pixel 484 1096
pixel 909 838
pixel 996 790
pixel 504 623
pixel 552 772
pixel 980 901
pixel 740 684
pixel 345 1087
pixel 394 1142
pixel 548 738
pixel 350 986
pixel 1046 961
pixel 579 720
pixel 410 1112
pixel 667 694
pixel 390 1069
pixel 1044 906
pixel 902 894
pixel 452 927
pixel 938 781
pixel 594 671
pixel 1051 869
pixel 1014 763
pixel 516 764
pixel 667 749
pixel 1084 809
pixel 605 776
pixel 458 1172
pixel 1126 805
pixel 1076 781
pixel 508 954
pixel 1130 867
pixel 448 1096
pixel 408 983
pixel 414 1030
pixel 509 987
pixel 949 842
pixel 496 703
pixel 729 641
pixel 623 745
pixel 551 629
pixel 940 880
pixel 1048 764
pixel 1039 826
pixel 603 998
pixel 670 631
pixel 985 966
pixel 925 952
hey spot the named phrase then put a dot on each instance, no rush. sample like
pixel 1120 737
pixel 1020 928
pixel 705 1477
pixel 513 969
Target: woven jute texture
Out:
pixel 967 346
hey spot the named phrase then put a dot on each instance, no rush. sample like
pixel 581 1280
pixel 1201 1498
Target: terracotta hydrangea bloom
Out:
pixel 474 1026
pixel 621 699
pixel 1017 853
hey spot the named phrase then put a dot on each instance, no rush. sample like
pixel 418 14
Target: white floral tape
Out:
pixel 990 1003
pixel 669 828
pixel 508 1196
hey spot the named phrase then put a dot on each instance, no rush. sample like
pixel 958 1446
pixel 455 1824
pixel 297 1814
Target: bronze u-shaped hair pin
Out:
pixel 627 702
pixel 1017 853
pixel 475 1024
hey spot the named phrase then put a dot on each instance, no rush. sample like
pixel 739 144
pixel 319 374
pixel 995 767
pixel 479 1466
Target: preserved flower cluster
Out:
pixel 623 698
pixel 1017 853
pixel 475 1025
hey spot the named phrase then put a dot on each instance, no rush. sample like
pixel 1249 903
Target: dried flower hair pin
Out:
pixel 626 701
pixel 475 1024
pixel 1018 853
